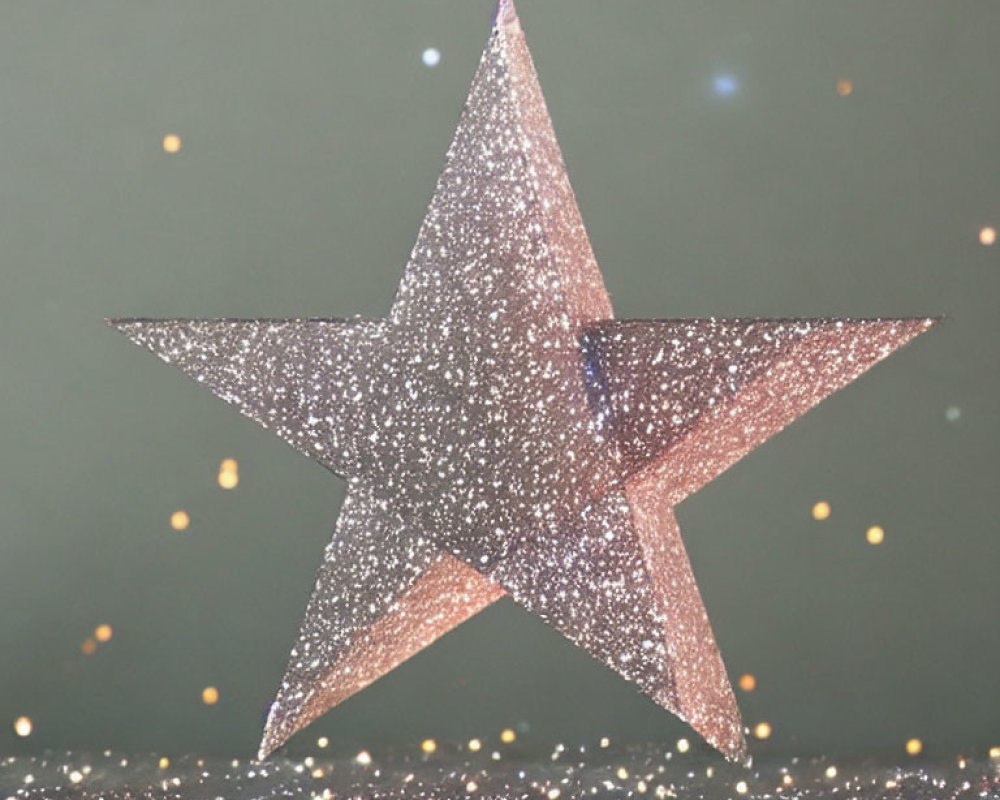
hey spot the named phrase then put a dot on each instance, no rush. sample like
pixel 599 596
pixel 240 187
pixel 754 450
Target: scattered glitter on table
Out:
pixel 452 772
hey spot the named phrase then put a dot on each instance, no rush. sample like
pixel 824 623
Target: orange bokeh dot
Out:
pixel 171 143
pixel 821 511
pixel 988 236
pixel 210 695
pixel 179 520
pixel 89 647
pixel 762 730
pixel 748 682
pixel 844 87
pixel 103 633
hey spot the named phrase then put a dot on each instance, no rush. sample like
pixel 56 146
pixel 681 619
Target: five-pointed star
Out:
pixel 501 433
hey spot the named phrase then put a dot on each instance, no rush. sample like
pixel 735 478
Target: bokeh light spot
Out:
pixel 821 511
pixel 507 736
pixel 322 742
pixel 88 647
pixel 747 682
pixel 171 143
pixel 431 57
pixel 683 745
pixel 844 87
pixel 228 480
pixel 988 237
pixel 914 747
pixel 229 473
pixel 210 695
pixel 428 746
pixel 725 85
pixel 23 726
pixel 762 730
pixel 180 520
pixel 875 535
pixel 103 633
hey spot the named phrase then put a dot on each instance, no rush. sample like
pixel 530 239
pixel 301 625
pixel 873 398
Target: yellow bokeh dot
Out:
pixel 103 633
pixel 164 762
pixel 228 480
pixel 831 771
pixel 995 752
pixel 23 726
pixel 180 520
pixel 788 780
pixel 622 774
pixel 741 787
pixel 475 745
pixel 683 745
pixel 89 647
pixel 229 465
pixel 762 730
pixel 210 695
pixel 507 736
pixel 428 746
pixel 364 758
pixel 821 511
pixel 171 143
pixel 875 535
pixel 988 237
pixel 844 87
pixel 748 682
pixel 471 786
pixel 322 742
pixel 914 747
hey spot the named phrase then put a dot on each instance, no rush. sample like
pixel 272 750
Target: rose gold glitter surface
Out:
pixel 501 433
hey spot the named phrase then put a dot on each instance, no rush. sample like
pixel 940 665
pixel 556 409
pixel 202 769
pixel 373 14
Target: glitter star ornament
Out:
pixel 502 434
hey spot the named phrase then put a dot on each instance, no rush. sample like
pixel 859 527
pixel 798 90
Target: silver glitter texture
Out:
pixel 501 434
pixel 567 772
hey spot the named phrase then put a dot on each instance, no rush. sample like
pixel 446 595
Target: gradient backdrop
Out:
pixel 720 172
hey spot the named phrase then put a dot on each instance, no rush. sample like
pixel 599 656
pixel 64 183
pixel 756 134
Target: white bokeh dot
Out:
pixel 431 57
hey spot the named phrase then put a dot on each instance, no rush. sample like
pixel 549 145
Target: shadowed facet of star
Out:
pixel 501 434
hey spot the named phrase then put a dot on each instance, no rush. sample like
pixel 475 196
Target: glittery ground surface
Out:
pixel 452 772
pixel 500 432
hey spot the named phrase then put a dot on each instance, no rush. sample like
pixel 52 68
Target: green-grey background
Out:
pixel 312 137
